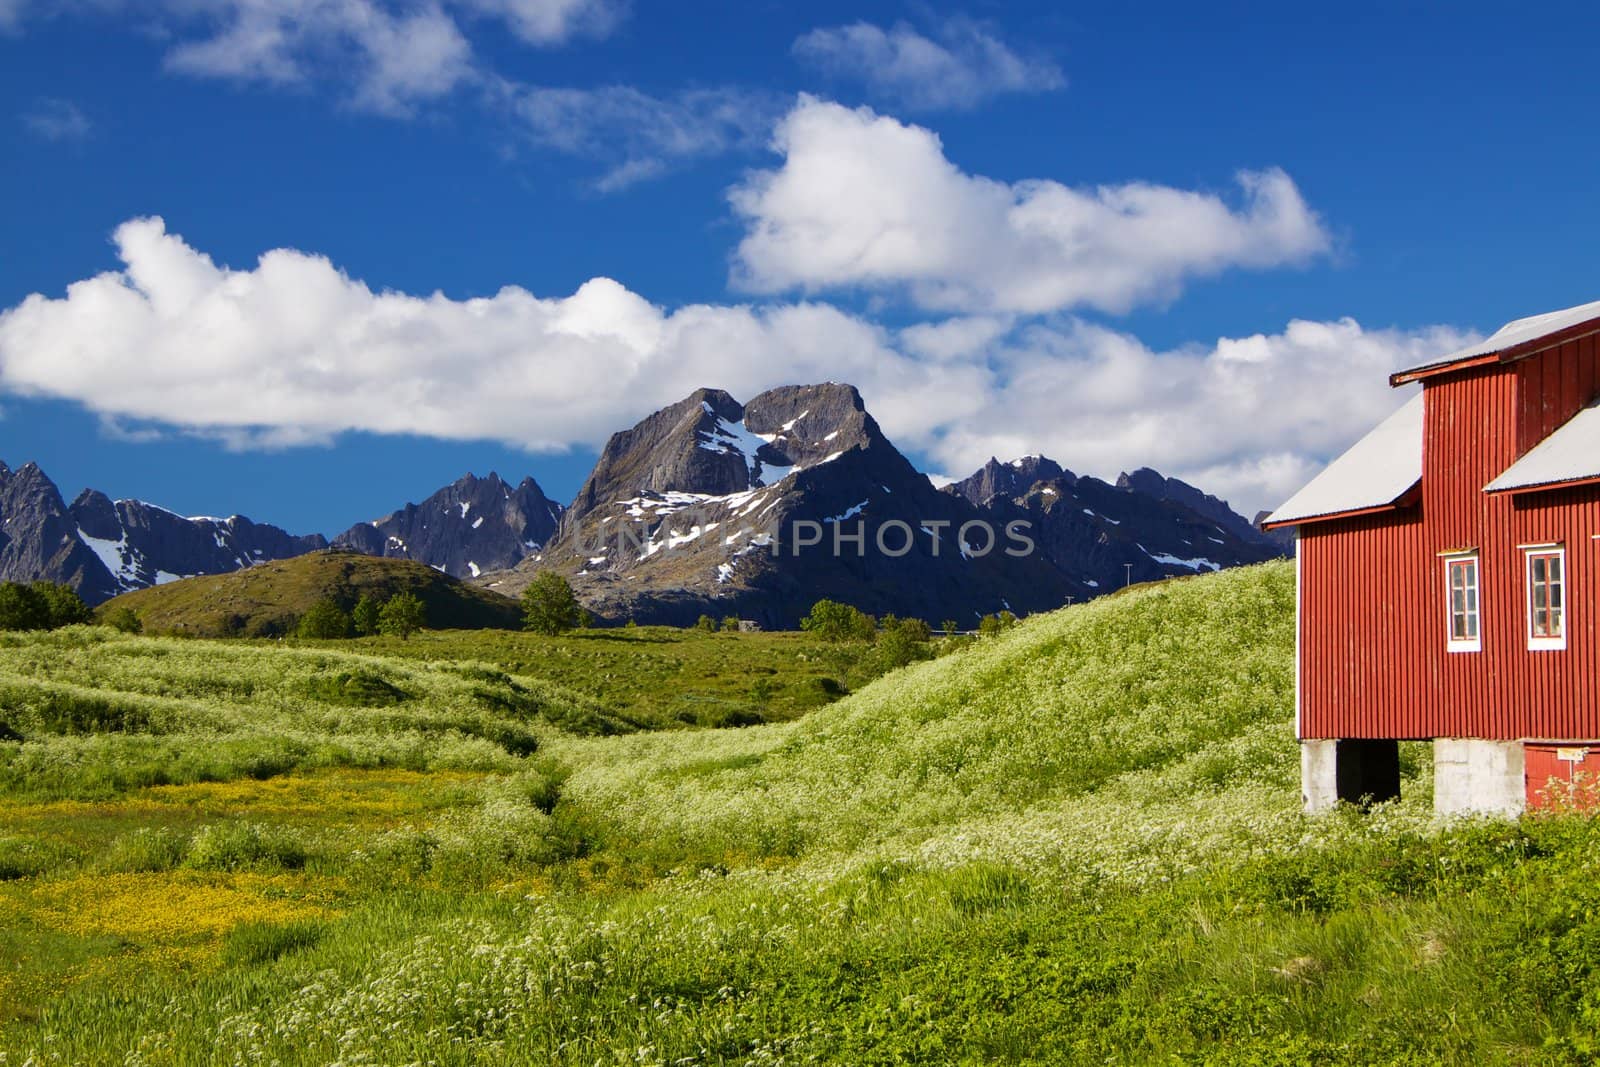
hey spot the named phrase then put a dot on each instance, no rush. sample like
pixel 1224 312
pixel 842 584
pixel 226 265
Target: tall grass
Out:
pixel 99 713
pixel 1078 842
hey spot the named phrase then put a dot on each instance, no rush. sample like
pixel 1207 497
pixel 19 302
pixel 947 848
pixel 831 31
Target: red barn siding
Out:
pixel 1373 610
pixel 1553 386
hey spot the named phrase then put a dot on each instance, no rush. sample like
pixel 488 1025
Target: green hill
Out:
pixel 268 599
pixel 1077 842
pixel 1162 690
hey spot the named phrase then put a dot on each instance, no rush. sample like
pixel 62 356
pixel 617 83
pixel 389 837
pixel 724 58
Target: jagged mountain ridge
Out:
pixel 471 526
pixel 1142 528
pixel 683 511
pixel 103 547
pixel 680 514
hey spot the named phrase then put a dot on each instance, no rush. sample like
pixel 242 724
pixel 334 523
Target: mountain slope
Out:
pixel 470 526
pixel 39 539
pixel 1143 528
pixel 268 599
pixel 761 509
pixel 1149 697
pixel 102 547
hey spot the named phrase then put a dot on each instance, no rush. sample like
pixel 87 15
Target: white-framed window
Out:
pixel 1546 570
pixel 1462 602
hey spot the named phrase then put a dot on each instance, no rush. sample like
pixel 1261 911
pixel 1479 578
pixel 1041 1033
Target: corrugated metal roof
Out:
pixel 1375 472
pixel 1513 335
pixel 1570 454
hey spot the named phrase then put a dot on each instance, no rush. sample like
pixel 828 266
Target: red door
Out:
pixel 1562 775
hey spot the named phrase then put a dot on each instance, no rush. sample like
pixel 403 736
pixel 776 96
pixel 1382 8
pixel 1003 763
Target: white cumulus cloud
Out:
pixel 1250 419
pixel 294 351
pixel 864 201
pixel 394 59
pixel 964 66
pixel 387 56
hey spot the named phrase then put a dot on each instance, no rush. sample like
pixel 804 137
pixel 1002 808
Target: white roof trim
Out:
pixel 1521 331
pixel 1570 454
pixel 1375 472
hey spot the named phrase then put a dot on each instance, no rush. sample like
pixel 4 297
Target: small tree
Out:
pixel 991 625
pixel 125 619
pixel 326 621
pixel 364 616
pixel 917 630
pixel 22 608
pixel 833 621
pixel 549 606
pixel 903 641
pixel 62 605
pixel 402 615
pixel 949 626
pixel 730 624
pixel 706 623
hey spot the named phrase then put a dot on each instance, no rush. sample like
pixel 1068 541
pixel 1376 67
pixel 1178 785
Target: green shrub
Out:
pixel 145 849
pixel 834 621
pixel 325 620
pixel 900 642
pixel 57 711
pixel 234 846
pixel 542 784
pixel 62 605
pixel 26 857
pixel 22 608
pixel 995 625
pixel 362 689
pixel 125 619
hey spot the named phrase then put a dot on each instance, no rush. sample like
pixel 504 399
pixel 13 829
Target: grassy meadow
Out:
pixel 1075 842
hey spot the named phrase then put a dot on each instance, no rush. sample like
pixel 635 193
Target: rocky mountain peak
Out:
pixel 1153 483
pixel 470 526
pixel 30 481
pixel 996 480
pixel 710 445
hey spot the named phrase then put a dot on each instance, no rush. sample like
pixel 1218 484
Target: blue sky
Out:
pixel 1017 229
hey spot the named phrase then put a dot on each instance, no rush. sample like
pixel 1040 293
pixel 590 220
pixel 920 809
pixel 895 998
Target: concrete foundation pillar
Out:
pixel 1319 787
pixel 1478 777
pixel 1355 770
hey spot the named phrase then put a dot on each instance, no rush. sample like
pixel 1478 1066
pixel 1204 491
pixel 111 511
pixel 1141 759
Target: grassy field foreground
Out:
pixel 1076 842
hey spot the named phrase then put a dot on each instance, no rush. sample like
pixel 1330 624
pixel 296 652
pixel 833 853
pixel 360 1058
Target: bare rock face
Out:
pixel 761 509
pixel 707 506
pixel 1143 528
pixel 38 539
pixel 102 547
pixel 1004 481
pixel 471 526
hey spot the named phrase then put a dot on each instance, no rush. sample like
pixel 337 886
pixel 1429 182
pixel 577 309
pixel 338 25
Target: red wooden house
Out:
pixel 1449 579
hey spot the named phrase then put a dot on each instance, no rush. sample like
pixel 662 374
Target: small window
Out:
pixel 1461 583
pixel 1547 602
